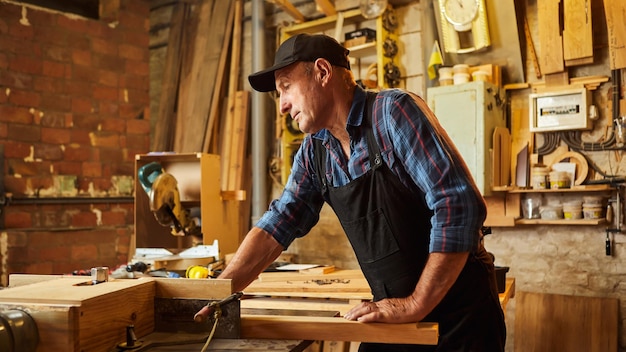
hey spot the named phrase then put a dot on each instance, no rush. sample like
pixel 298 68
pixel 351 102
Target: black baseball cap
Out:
pixel 300 47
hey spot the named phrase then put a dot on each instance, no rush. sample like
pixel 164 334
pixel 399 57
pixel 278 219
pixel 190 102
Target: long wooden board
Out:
pixel 552 322
pixel 550 36
pixel 614 10
pixel 336 329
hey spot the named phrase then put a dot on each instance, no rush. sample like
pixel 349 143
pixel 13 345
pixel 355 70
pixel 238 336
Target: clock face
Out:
pixel 460 12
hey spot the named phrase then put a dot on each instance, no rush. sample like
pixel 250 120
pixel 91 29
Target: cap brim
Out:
pixel 264 81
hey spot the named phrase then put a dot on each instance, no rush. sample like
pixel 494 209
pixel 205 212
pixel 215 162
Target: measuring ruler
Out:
pixel 531 48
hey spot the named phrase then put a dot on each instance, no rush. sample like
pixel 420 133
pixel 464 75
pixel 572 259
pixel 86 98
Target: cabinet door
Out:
pixel 468 114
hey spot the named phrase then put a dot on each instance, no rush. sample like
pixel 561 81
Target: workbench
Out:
pixel 339 290
pixel 72 315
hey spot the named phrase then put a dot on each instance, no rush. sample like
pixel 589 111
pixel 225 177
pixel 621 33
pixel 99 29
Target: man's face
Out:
pixel 300 95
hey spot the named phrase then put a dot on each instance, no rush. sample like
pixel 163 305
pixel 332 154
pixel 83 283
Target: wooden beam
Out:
pixel 286 6
pixel 336 329
pixel 326 7
pixel 550 36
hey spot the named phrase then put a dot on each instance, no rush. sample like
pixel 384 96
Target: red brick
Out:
pixel 141 8
pixel 17 220
pixel 54 119
pixel 15 114
pixel 54 69
pixel 15 185
pixel 86 121
pixel 111 155
pixel 78 40
pixel 82 106
pixel 54 254
pixel 4 61
pixel 87 251
pixel 84 219
pixel 55 135
pixel 56 102
pixel 77 153
pixel 81 57
pixel 24 98
pixel 113 218
pixel 57 53
pixel 41 268
pixel 132 22
pixel 108 108
pixel 92 169
pixel 135 82
pixel 108 62
pixel 17 239
pixel 138 127
pixel 14 149
pixel 69 168
pixel 4 130
pixel 38 17
pixel 108 78
pixel 103 139
pixel 25 64
pixel 21 47
pixel 134 53
pixel 138 68
pixel 113 124
pixel 138 142
pixel 27 133
pixel 51 36
pixel 49 152
pixel 105 93
pixel 104 46
pixel 73 24
pixel 4 27
pixel 48 84
pixel 131 111
pixel 138 97
pixel 79 88
pixel 15 79
pixel 80 136
pixel 83 74
pixel 21 31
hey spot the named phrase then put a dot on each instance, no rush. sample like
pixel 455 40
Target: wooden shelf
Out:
pixel 581 188
pixel 590 222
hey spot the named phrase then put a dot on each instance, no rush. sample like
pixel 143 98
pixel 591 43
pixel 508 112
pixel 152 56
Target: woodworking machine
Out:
pixel 165 204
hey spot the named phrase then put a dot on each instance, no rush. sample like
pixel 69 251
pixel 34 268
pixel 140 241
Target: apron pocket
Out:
pixel 371 237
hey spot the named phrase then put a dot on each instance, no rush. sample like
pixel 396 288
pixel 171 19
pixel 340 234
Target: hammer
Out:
pixel 215 307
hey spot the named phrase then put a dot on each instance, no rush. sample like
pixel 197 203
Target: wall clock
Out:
pixel 464 25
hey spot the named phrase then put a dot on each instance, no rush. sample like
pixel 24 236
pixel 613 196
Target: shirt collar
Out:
pixel 355 116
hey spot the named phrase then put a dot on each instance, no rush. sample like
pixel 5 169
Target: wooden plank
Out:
pixel 194 101
pixel 550 36
pixel 577 31
pixel 239 140
pixel 335 329
pixel 163 132
pixel 337 305
pixel 614 11
pixel 553 322
pixel 193 288
pixel 217 93
pixel 16 280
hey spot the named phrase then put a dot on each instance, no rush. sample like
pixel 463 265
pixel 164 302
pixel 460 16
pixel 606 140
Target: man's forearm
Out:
pixel 258 250
pixel 438 276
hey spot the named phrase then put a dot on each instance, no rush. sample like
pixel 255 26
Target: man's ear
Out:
pixel 323 70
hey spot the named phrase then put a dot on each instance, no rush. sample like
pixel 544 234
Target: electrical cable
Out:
pixel 208 340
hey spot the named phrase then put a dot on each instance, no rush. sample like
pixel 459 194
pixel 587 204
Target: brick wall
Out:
pixel 73 102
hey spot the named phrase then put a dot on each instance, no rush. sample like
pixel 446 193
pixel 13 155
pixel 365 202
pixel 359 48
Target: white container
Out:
pixel 460 68
pixel 551 212
pixel 559 179
pixel 460 78
pixel 593 211
pixel 479 75
pixel 539 177
pixel 445 73
pixel 572 210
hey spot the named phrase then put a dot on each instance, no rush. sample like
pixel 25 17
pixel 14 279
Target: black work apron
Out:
pixel 389 229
